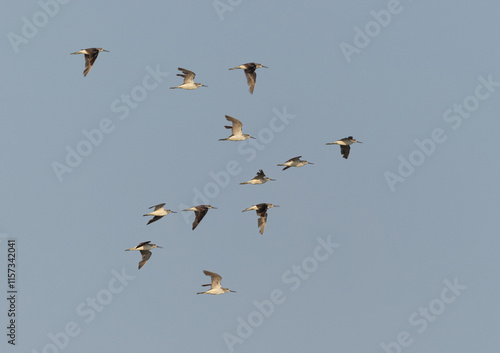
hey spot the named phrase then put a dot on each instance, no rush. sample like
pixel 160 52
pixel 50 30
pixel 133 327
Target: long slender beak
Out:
pixel 106 50
pixel 272 179
pixel 214 208
pixel 232 291
pixel 265 67
pixel 310 163
pixel 359 142
pixel 276 205
pixel 161 247
pixel 252 137
pixel 176 212
pixel 204 86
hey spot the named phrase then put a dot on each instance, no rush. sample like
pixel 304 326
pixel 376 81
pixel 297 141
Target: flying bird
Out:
pixel 261 210
pixel 144 248
pixel 90 57
pixel 158 213
pixel 188 80
pixel 200 211
pixel 294 162
pixel 345 143
pixel 237 135
pixel 250 73
pixel 215 287
pixel 260 178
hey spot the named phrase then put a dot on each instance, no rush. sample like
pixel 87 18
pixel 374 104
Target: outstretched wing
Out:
pixel 344 150
pixel 146 254
pixel 198 217
pixel 157 207
pixel 237 125
pixel 214 277
pixel 154 219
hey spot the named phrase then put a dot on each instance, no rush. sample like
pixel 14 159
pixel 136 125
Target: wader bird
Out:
pixel 144 248
pixel 261 210
pixel 260 178
pixel 250 73
pixel 237 135
pixel 188 80
pixel 215 287
pixel 294 162
pixel 200 211
pixel 345 145
pixel 90 56
pixel 158 213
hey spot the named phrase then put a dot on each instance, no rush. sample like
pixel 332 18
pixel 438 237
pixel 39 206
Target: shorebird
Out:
pixel 250 73
pixel 260 178
pixel 158 213
pixel 294 162
pixel 237 135
pixel 215 287
pixel 90 56
pixel 188 80
pixel 144 248
pixel 345 145
pixel 261 210
pixel 200 211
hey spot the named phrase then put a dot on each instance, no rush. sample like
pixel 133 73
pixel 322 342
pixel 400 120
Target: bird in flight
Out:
pixel 345 145
pixel 260 178
pixel 215 287
pixel 90 57
pixel 158 213
pixel 294 162
pixel 237 134
pixel 250 73
pixel 261 210
pixel 199 211
pixel 144 248
pixel 188 80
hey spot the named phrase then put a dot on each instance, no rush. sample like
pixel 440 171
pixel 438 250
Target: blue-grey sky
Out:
pixel 392 250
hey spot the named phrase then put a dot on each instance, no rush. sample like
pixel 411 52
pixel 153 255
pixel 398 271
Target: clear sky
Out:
pixel 392 250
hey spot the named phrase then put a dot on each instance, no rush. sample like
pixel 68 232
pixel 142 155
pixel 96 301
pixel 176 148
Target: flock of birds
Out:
pixel 236 135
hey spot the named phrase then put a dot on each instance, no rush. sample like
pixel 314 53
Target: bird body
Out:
pixel 345 145
pixel 237 134
pixel 215 286
pixel 250 74
pixel 261 210
pixel 294 162
pixel 158 213
pixel 260 178
pixel 90 57
pixel 144 248
pixel 200 211
pixel 188 80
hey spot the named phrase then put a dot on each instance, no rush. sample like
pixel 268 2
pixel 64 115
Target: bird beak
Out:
pixel 232 291
pixel 161 247
pixel 276 205
pixel 252 137
pixel 106 50
pixel 272 179
pixel 176 212
pixel 265 67
pixel 204 86
pixel 359 142
pixel 310 163
pixel 214 208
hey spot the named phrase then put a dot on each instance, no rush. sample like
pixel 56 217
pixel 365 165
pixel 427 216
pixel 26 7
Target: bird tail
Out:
pixel 76 52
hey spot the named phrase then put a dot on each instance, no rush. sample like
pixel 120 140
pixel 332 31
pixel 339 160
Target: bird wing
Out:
pixel 237 125
pixel 154 219
pixel 214 277
pixel 251 77
pixel 146 254
pixel 188 75
pixel 260 174
pixel 261 209
pixel 344 150
pixel 143 243
pixel 89 60
pixel 199 216
pixel 294 159
pixel 262 222
pixel 157 207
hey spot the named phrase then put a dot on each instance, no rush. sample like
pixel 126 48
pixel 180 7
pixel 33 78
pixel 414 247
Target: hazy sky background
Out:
pixel 397 246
